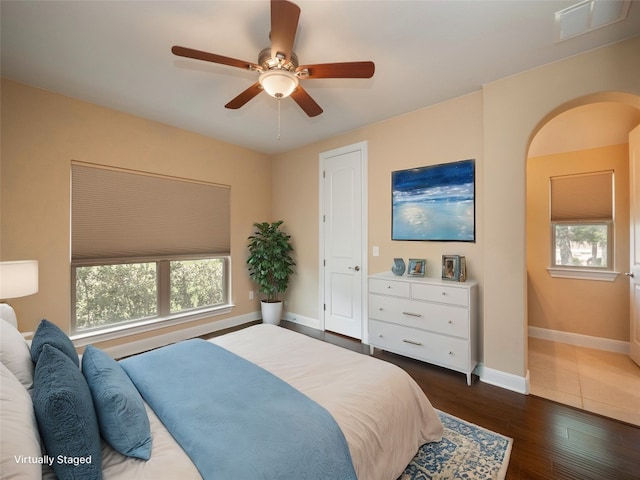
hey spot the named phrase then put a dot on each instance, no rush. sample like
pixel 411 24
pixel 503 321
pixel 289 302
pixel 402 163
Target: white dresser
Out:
pixel 425 318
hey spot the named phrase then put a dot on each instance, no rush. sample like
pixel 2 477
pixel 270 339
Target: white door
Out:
pixel 343 234
pixel 634 230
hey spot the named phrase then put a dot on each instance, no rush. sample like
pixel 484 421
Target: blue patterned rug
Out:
pixel 466 451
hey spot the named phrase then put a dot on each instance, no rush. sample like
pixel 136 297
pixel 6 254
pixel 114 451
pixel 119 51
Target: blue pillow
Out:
pixel 66 418
pixel 123 420
pixel 50 334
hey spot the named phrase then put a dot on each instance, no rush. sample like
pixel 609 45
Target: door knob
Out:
pixel 356 268
pixel 630 274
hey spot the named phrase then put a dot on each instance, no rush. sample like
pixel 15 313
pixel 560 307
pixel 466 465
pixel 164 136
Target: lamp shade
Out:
pixel 278 83
pixel 18 279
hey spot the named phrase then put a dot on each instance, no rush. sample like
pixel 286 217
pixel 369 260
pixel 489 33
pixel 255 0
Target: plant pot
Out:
pixel 271 312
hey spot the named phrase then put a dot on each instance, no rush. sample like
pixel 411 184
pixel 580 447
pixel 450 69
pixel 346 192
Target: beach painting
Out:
pixel 435 202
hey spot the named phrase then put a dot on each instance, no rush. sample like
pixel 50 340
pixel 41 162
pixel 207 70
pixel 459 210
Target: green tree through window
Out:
pixel 196 283
pixel 108 294
pixel 584 245
pixel 114 294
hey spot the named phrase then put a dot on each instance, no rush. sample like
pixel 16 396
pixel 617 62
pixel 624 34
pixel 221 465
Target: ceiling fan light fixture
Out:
pixel 278 83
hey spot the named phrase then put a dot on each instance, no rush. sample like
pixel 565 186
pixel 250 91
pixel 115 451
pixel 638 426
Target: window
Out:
pixel 146 249
pixel 115 294
pixel 582 245
pixel 582 221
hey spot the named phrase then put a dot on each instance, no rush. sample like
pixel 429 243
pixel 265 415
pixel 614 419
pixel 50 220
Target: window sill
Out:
pixel 121 331
pixel 579 274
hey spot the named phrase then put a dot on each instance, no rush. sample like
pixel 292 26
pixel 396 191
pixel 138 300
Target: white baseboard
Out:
pixel 138 346
pixel 505 380
pixel 580 340
pixel 302 320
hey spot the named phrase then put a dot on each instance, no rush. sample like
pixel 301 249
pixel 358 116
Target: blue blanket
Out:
pixel 235 420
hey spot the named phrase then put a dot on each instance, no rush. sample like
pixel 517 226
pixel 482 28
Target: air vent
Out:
pixel 589 15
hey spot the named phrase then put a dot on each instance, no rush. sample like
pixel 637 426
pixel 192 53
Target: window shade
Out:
pixel 585 197
pixel 118 213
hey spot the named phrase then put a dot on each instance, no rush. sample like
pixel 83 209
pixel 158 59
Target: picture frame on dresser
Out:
pixel 454 268
pixel 417 267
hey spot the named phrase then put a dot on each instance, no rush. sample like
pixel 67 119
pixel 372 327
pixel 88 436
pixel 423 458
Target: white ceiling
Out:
pixel 117 54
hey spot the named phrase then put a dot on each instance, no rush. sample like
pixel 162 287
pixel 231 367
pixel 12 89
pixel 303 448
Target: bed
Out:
pixel 382 413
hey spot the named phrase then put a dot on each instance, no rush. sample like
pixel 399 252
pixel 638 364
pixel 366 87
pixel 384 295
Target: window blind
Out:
pixel 121 213
pixel 583 197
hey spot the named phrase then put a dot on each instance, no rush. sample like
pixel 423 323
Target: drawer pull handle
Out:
pixel 444 293
pixel 388 286
pixel 412 342
pixel 450 322
pixel 450 352
pixel 411 314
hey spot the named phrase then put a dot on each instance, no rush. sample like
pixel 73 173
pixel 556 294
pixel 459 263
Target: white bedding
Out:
pixel 382 412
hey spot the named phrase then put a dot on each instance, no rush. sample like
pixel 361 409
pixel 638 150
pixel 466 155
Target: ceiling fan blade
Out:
pixel 212 57
pixel 284 23
pixel 305 101
pixel 245 96
pixel 339 70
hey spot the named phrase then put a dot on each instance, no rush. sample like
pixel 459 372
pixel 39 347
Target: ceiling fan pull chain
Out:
pixel 279 99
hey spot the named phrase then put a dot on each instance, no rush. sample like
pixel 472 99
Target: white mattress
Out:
pixel 382 412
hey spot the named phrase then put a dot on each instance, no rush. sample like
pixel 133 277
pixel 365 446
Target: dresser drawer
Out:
pixel 431 347
pixel 440 293
pixel 433 317
pixel 389 287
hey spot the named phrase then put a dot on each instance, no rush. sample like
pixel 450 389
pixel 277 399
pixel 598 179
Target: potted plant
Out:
pixel 270 266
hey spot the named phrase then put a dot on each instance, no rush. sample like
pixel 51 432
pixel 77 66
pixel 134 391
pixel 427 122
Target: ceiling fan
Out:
pixel 278 65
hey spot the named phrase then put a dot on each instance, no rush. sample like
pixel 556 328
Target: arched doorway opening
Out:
pixel 578 327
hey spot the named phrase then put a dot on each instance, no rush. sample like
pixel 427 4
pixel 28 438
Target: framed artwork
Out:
pixel 417 266
pixel 454 267
pixel 434 203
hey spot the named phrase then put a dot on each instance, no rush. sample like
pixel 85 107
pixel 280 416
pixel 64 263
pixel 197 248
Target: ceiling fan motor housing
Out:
pixel 267 62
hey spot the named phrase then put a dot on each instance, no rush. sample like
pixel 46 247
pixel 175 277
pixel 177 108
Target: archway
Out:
pixel 584 135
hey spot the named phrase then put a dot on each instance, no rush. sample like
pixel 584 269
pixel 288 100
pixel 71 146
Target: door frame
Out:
pixel 634 260
pixel 363 148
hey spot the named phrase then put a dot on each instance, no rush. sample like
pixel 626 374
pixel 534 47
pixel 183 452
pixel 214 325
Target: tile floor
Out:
pixel 598 381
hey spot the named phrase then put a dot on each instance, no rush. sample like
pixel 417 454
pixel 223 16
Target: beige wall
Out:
pixel 496 132
pixel 43 132
pixel 587 307
pixel 514 109
pixel 446 132
pixel 589 126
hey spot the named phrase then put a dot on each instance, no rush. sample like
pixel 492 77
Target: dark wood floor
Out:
pixel 551 441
